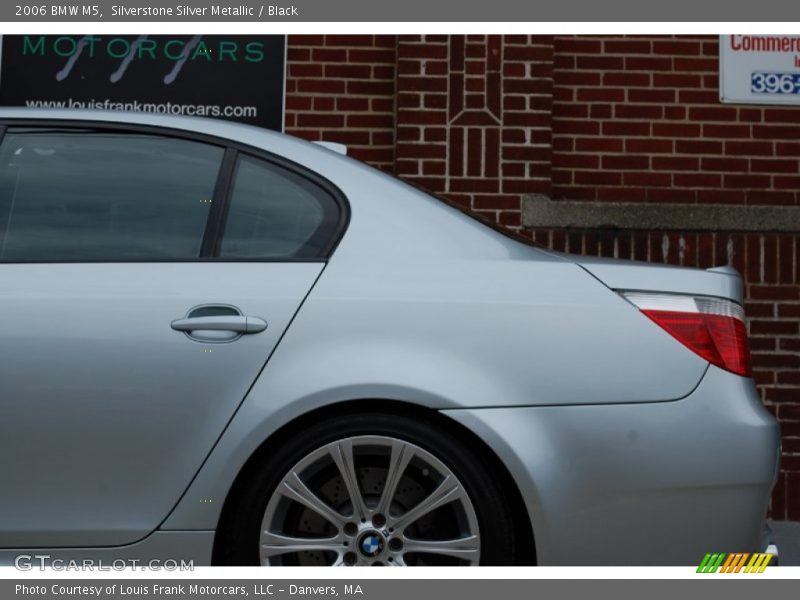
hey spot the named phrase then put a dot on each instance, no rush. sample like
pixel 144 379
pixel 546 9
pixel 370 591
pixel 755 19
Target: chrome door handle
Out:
pixel 239 324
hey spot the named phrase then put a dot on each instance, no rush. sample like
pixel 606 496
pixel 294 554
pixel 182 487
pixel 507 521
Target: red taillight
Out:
pixel 711 327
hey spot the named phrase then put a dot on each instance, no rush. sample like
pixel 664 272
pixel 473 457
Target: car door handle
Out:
pixel 239 324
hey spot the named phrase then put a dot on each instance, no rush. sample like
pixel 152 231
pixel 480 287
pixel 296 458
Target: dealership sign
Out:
pixel 759 69
pixel 241 78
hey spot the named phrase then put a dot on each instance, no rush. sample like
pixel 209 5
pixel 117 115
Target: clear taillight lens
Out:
pixel 711 327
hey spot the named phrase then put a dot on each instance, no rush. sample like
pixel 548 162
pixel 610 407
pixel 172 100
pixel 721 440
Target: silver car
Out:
pixel 227 345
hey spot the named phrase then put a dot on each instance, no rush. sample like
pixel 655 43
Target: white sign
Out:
pixel 759 69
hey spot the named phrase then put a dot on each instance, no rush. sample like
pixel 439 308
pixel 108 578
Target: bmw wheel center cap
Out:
pixel 371 544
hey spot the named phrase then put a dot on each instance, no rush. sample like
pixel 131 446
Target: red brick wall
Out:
pixel 640 119
pixel 342 89
pixel 474 119
pixel 485 119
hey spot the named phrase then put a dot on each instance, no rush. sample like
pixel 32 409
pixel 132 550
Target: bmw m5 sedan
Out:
pixel 228 345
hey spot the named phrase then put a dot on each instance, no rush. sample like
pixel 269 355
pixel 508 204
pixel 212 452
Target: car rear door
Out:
pixel 145 279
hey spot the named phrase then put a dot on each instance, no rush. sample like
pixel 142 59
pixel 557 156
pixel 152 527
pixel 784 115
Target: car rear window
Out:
pixel 274 213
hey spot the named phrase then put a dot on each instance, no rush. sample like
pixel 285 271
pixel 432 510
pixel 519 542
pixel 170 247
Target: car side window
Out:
pixel 94 196
pixel 275 213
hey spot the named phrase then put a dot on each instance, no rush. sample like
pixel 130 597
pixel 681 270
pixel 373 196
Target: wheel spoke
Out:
pixel 342 454
pixel 447 491
pixel 466 548
pixel 294 488
pixel 274 544
pixel 400 456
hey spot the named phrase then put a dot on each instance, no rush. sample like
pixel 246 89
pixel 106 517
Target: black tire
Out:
pixel 238 538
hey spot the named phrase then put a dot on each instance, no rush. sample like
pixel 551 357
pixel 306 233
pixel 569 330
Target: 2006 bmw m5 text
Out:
pixel 224 344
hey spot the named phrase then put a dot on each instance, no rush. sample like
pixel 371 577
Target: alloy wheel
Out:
pixel 369 500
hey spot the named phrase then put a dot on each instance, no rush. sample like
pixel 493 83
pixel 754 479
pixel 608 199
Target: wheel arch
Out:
pixel 525 553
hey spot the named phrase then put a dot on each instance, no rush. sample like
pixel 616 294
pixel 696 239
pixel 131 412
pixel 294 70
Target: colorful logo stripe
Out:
pixel 734 563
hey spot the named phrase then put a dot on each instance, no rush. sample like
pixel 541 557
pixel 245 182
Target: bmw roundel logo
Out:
pixel 371 544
